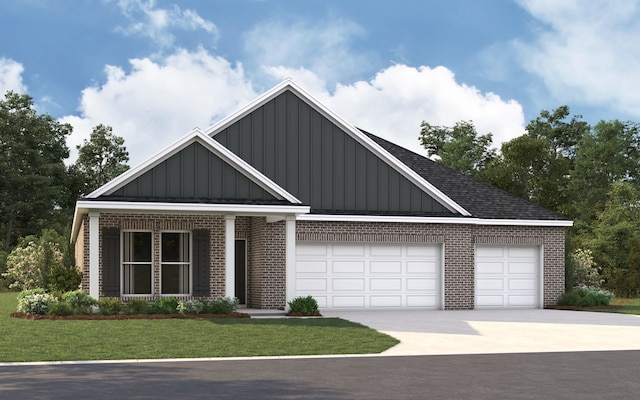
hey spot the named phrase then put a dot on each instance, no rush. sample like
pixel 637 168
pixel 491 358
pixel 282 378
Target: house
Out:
pixel 284 198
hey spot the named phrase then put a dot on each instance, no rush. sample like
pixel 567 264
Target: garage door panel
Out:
pixel 385 301
pixel 521 284
pixel 422 267
pixel 507 276
pixel 311 267
pixel 348 250
pixel 385 251
pixel 348 284
pixel 370 275
pixel 483 268
pixel 391 284
pixel 348 301
pixel 489 284
pixel 429 285
pixel 385 267
pixel 312 284
pixel 322 301
pixel 527 268
pixel 348 267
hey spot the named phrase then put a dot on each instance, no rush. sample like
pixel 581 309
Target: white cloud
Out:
pixel 11 76
pixel 323 47
pixel 587 51
pixel 155 23
pixel 154 104
pixel 394 103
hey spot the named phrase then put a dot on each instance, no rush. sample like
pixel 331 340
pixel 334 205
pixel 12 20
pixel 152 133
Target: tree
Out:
pixel 459 147
pixel 32 152
pixel 537 165
pixel 100 159
pixel 609 153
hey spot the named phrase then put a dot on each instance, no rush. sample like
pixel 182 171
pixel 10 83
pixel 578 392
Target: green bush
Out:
pixel 165 305
pixel 586 297
pixel 222 305
pixel 109 306
pixel 136 306
pixel 194 306
pixel 61 308
pixel 79 301
pixel 304 305
pixel 35 301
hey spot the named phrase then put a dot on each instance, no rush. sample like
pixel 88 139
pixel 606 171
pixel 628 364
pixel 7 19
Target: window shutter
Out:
pixel 111 262
pixel 201 263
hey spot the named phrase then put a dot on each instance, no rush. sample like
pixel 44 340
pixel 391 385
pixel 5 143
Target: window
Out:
pixel 175 263
pixel 137 263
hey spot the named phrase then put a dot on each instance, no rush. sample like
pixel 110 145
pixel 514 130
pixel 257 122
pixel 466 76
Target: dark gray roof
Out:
pixel 479 198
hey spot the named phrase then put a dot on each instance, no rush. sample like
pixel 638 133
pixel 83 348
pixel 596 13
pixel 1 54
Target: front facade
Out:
pixel 285 199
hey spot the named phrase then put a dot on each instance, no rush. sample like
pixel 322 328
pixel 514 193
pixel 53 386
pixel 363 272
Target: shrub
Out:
pixel 304 305
pixel 194 306
pixel 61 308
pixel 586 296
pixel 222 305
pixel 79 301
pixel 35 301
pixel 165 305
pixel 136 306
pixel 109 306
pixel 584 271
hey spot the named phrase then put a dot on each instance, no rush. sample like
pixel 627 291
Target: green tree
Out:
pixel 100 159
pixel 609 153
pixel 32 152
pixel 537 165
pixel 458 147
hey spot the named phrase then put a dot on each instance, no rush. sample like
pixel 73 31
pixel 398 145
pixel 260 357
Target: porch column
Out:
pixel 94 255
pixel 290 244
pixel 230 255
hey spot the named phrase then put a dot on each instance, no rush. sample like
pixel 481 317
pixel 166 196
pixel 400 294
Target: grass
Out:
pixel 48 340
pixel 629 306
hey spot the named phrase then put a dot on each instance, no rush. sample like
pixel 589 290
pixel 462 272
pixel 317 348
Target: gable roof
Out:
pixel 355 134
pixel 482 200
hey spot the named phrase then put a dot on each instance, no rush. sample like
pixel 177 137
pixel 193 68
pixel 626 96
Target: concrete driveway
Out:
pixel 500 331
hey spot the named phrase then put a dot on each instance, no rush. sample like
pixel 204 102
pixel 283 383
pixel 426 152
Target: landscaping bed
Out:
pixel 591 308
pixel 99 317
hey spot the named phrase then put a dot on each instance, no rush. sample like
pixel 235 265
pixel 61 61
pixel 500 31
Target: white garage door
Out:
pixel 507 277
pixel 362 276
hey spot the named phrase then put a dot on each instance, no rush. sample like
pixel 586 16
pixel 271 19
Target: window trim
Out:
pixel 190 263
pixel 123 262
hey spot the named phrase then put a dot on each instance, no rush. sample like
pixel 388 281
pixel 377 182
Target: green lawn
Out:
pixel 629 306
pixel 47 340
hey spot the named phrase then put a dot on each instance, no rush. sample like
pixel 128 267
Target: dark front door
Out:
pixel 241 270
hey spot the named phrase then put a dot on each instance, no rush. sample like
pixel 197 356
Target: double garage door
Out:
pixel 409 276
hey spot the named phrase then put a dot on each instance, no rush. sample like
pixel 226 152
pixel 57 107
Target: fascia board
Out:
pixel 159 207
pixel 213 146
pixel 355 133
pixel 433 220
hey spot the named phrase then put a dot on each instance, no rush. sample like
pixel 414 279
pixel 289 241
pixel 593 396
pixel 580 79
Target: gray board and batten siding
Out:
pixel 194 174
pixel 315 160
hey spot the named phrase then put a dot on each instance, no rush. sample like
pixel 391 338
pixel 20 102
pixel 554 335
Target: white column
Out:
pixel 290 222
pixel 230 255
pixel 94 254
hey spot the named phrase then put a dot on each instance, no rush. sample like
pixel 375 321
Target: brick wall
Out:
pixel 459 249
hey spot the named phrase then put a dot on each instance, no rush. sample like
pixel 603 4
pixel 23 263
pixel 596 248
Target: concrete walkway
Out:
pixel 500 331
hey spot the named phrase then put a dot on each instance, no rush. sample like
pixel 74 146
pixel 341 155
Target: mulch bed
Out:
pixel 575 308
pixel 294 314
pixel 94 317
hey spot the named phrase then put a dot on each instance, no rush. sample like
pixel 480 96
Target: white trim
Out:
pixel 432 220
pixel 290 246
pixel 230 255
pixel 225 154
pixel 94 254
pixel 351 130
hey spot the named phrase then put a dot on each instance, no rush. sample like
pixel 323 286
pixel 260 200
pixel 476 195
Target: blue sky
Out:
pixel 154 70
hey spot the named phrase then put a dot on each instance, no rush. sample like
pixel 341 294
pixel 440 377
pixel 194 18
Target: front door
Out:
pixel 241 271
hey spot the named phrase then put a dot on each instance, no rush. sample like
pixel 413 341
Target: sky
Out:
pixel 155 69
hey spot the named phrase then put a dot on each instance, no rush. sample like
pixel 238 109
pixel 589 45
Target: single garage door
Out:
pixel 507 277
pixel 369 276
